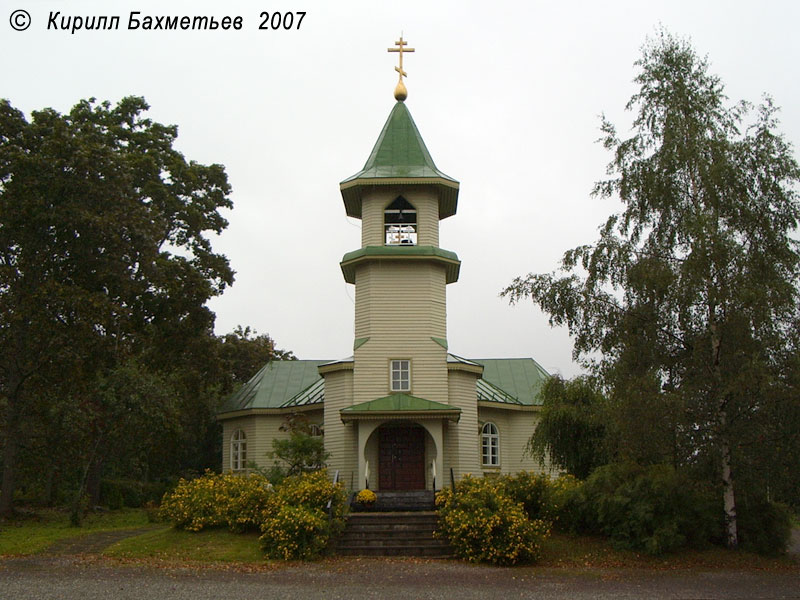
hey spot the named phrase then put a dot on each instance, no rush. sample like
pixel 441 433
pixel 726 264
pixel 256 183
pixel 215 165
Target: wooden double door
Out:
pixel 401 454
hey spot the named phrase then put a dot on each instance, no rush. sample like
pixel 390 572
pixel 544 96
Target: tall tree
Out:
pixel 103 256
pixel 689 297
pixel 572 427
pixel 244 351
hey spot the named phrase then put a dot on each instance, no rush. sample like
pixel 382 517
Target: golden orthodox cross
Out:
pixel 401 48
pixel 400 92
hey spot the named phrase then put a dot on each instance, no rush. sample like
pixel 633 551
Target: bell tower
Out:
pixel 400 272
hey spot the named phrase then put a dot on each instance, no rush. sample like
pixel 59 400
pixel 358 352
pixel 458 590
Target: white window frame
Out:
pixel 490 445
pixel 400 366
pixel 238 450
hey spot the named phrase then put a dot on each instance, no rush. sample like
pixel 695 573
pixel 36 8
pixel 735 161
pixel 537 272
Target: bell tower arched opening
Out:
pixel 400 223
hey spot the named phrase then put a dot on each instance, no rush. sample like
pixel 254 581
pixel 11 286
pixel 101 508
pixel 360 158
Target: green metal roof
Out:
pixel 491 393
pixel 449 259
pixel 398 402
pixel 292 383
pixel 280 383
pixel 400 157
pixel 519 378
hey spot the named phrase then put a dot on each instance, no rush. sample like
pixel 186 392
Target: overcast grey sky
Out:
pixel 507 96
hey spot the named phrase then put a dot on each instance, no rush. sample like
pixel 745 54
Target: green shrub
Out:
pixel 545 498
pixel 484 524
pixel 530 490
pixel 654 509
pixel 296 524
pixel 212 500
pixel 764 527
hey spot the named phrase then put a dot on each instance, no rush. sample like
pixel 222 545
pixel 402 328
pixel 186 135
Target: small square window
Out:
pixel 400 376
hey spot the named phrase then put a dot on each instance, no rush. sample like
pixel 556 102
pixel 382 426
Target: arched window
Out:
pixel 238 451
pixel 400 223
pixel 490 446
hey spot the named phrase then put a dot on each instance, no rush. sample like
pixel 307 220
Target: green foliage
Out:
pixel 297 525
pixel 243 352
pixel 687 305
pixel 654 509
pixel 552 500
pixel 105 264
pixel 237 501
pixel 484 524
pixel 301 452
pixel 764 527
pixel 572 426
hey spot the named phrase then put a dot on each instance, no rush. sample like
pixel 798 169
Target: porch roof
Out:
pixel 400 406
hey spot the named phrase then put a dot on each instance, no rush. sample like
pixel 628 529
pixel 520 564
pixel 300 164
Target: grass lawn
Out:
pixel 209 546
pixel 35 532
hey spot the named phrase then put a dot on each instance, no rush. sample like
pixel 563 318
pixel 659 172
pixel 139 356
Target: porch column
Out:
pixel 365 429
pixel 436 430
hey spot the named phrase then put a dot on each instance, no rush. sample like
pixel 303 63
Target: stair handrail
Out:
pixel 330 501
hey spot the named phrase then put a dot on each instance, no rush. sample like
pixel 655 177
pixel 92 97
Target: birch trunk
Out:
pixel 728 496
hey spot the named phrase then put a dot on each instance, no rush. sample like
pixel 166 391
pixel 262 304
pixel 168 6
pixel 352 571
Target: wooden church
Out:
pixel 402 411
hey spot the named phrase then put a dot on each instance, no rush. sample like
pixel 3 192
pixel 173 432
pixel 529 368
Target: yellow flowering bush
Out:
pixel 484 524
pixel 214 500
pixel 296 524
pixel 295 533
pixel 366 496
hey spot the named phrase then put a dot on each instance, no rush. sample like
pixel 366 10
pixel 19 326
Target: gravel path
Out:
pixel 66 578
pixel 74 572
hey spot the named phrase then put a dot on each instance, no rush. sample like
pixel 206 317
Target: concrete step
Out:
pixel 407 533
pixel 420 551
pixel 401 501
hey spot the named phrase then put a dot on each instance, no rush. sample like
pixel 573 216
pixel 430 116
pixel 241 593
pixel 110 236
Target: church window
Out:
pixel 238 451
pixel 400 223
pixel 400 375
pixel 490 446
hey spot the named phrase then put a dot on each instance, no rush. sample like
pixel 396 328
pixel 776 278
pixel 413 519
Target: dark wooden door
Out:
pixel 402 458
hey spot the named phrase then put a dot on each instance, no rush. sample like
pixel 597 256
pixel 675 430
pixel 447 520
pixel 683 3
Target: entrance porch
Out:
pixel 400 442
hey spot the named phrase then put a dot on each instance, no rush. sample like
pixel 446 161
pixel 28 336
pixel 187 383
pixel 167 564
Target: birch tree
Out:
pixel 689 297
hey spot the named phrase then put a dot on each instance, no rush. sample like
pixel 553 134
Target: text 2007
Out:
pixel 279 20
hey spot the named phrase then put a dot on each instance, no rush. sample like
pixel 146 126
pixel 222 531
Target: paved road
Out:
pixel 76 578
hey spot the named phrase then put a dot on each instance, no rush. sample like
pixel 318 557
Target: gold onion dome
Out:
pixel 400 92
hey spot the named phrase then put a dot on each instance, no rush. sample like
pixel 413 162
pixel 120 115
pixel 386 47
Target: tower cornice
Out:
pixel 449 260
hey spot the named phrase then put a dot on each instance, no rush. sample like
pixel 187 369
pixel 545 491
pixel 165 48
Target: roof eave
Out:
pixel 352 190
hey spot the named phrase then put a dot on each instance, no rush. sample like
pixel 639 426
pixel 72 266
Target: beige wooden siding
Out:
pixel 399 307
pixel 372 207
pixel 461 451
pixel 340 439
pixel 427 204
pixel 260 430
pixel 514 428
pixel 423 198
